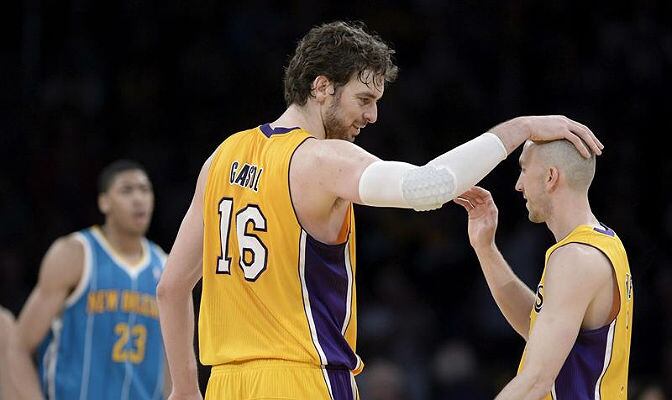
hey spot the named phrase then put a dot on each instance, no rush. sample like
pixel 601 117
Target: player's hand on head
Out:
pixel 482 213
pixel 554 127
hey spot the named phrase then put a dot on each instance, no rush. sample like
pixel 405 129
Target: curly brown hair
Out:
pixel 337 50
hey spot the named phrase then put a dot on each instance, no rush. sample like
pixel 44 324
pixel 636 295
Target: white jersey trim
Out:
pixel 86 272
pixel 308 311
pixel 348 301
pixel 607 359
pixel 132 270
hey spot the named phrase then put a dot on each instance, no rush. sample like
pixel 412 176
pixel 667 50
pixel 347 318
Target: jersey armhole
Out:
pixel 86 272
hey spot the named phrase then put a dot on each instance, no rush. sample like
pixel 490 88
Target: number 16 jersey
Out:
pixel 270 290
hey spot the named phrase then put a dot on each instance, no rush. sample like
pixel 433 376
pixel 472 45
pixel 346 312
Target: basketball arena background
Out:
pixel 85 82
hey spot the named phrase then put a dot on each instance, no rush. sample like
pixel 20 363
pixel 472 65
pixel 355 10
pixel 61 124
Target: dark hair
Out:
pixel 337 50
pixel 110 172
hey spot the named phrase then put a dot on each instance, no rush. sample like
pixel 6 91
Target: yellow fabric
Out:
pixel 259 380
pixel 261 316
pixel 614 382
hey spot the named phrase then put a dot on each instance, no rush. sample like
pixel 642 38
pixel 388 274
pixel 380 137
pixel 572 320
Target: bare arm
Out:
pixel 574 275
pixel 176 308
pixel 6 327
pixel 60 272
pixel 512 296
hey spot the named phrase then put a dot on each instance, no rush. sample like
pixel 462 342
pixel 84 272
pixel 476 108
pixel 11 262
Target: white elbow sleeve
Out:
pixel 472 161
pixel 403 185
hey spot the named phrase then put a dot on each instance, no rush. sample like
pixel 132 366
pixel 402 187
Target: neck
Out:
pixel 568 212
pixel 129 245
pixel 306 117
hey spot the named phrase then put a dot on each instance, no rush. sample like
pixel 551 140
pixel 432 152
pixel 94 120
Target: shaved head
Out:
pixel 561 154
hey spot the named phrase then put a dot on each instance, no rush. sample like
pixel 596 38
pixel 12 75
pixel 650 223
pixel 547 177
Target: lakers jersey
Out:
pixel 270 290
pixel 597 366
pixel 107 342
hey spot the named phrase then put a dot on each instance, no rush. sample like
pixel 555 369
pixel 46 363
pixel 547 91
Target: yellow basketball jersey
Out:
pixel 597 365
pixel 270 290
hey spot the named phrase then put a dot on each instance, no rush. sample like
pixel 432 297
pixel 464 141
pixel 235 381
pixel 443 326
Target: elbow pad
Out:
pixel 403 185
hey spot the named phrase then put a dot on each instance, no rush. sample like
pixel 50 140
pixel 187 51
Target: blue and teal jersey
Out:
pixel 106 343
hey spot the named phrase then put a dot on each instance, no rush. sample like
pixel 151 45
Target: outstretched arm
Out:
pixel 339 169
pixel 574 275
pixel 176 308
pixel 60 272
pixel 512 296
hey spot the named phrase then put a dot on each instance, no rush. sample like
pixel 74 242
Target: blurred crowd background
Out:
pixel 164 82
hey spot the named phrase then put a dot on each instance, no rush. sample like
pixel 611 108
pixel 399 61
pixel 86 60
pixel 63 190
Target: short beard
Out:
pixel 540 215
pixel 333 125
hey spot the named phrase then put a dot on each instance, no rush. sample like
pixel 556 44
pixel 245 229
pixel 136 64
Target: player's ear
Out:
pixel 103 203
pixel 321 88
pixel 552 178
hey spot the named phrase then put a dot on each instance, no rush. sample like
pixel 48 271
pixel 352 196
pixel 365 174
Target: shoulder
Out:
pixel 579 262
pixel 70 246
pixel 64 261
pixel 329 155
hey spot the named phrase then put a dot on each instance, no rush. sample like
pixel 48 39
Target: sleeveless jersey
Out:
pixel 597 366
pixel 107 344
pixel 270 290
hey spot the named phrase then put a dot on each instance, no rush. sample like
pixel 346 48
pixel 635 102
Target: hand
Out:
pixel 482 213
pixel 546 128
pixel 552 127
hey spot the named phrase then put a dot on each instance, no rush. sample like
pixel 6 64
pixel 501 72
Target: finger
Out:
pixel 464 203
pixel 590 140
pixel 589 132
pixel 478 195
pixel 586 135
pixel 471 197
pixel 579 144
pixel 482 193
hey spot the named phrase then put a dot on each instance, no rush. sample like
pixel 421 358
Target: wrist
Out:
pixel 513 132
pixel 484 249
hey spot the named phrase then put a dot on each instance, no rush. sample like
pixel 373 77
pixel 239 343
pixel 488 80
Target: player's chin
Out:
pixel 138 227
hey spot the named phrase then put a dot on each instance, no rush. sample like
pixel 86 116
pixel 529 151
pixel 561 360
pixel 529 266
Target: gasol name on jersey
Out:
pixel 247 175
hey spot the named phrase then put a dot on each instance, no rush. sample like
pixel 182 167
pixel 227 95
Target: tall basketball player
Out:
pixel 92 322
pixel 271 227
pixel 579 323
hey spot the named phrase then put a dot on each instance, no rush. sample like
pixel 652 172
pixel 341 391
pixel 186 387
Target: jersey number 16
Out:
pixel 252 253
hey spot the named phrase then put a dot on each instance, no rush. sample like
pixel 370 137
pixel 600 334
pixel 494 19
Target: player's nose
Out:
pixel 371 115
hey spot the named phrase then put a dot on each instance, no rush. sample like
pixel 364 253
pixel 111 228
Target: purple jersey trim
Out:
pixel 341 385
pixel 268 131
pixel 584 365
pixel 607 231
pixel 327 284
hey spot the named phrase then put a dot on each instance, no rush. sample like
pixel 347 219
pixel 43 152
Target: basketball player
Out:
pixel 6 326
pixel 578 326
pixel 271 227
pixel 92 322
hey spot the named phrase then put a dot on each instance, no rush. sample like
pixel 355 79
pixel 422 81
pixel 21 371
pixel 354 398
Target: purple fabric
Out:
pixel 327 285
pixel 268 131
pixel 606 230
pixel 582 369
pixel 341 387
